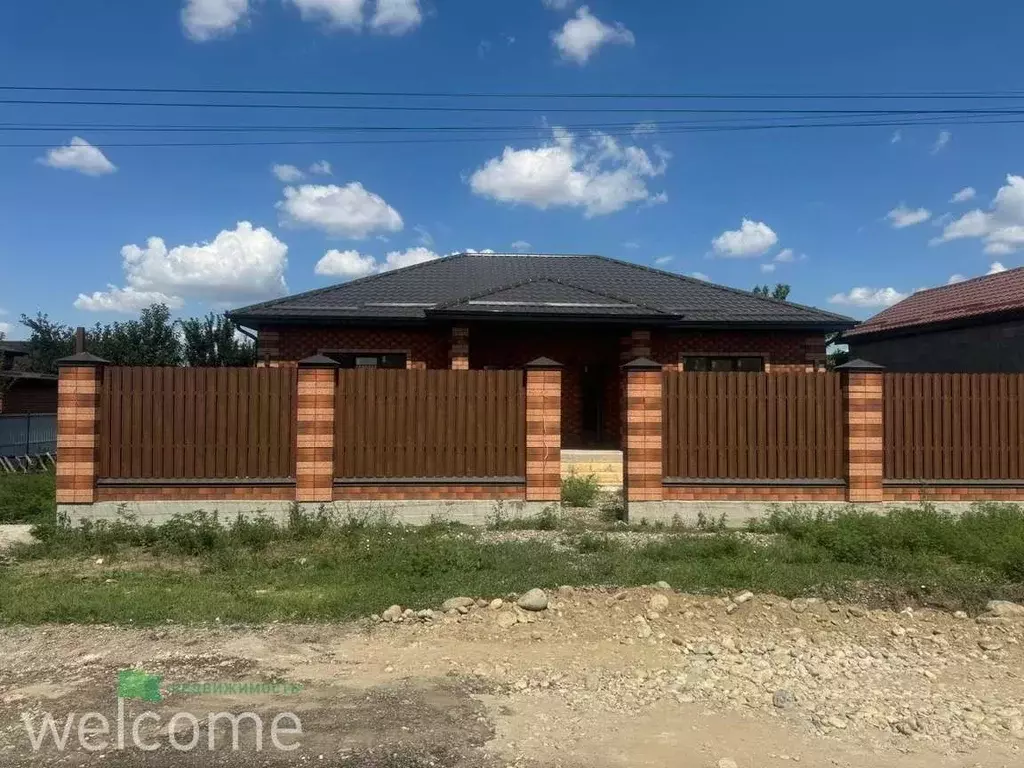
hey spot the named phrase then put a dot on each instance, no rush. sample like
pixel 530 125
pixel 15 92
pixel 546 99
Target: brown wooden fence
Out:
pixel 197 423
pixel 954 426
pixel 430 424
pixel 768 426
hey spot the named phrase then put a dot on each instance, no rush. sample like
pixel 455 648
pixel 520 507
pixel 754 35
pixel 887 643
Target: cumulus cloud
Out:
pixel 902 217
pixel 127 299
pixel 996 268
pixel 288 174
pixel 1001 228
pixel 207 19
pixel 954 279
pixel 558 5
pixel 321 168
pixel 352 264
pixel 701 276
pixel 965 194
pixel 79 155
pixel 241 263
pixel 753 238
pixel 869 297
pixel 5 328
pixel 785 256
pixel 662 260
pixel 396 17
pixel 597 174
pixel 941 142
pixel 521 245
pixel 348 211
pixel 337 13
pixel 584 34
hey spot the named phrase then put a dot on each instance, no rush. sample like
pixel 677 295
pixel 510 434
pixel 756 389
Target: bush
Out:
pixel 580 491
pixel 28 498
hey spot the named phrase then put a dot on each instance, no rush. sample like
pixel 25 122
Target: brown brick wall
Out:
pixel 543 435
pixel 862 401
pixel 197 493
pixel 457 492
pixel 642 452
pixel 425 347
pixel 915 494
pixel 807 493
pixel 782 350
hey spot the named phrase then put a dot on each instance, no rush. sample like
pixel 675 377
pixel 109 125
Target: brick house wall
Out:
pixel 424 347
pixel 29 396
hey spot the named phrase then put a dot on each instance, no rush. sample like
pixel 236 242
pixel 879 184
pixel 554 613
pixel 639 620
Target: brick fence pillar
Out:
pixel 314 433
pixel 642 446
pixel 862 401
pixel 543 430
pixel 460 349
pixel 78 399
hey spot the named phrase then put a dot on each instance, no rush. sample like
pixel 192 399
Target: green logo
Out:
pixel 136 684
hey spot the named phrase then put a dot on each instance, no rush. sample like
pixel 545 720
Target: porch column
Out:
pixel 543 430
pixel 314 430
pixel 862 402
pixel 78 397
pixel 642 448
pixel 460 348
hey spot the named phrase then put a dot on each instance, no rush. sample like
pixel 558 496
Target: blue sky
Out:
pixel 860 215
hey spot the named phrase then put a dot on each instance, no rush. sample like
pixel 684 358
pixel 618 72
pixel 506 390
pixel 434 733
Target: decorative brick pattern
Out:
pixel 419 492
pixel 781 494
pixel 198 493
pixel 782 350
pixel 314 435
pixel 543 432
pixel 642 452
pixel 460 349
pixel 78 389
pixel 927 493
pixel 862 401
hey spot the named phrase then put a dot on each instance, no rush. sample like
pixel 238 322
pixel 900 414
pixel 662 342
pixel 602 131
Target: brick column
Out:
pixel 460 348
pixel 543 430
pixel 862 401
pixel 78 394
pixel 642 448
pixel 314 434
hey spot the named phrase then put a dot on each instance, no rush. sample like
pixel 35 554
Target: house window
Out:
pixel 370 359
pixel 724 364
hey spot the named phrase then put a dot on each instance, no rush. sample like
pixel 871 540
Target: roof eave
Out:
pixel 933 327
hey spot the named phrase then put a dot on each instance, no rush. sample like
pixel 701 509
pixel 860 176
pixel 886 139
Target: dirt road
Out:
pixel 599 680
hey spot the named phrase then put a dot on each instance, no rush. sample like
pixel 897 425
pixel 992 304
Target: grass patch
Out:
pixel 580 490
pixel 27 497
pixel 317 568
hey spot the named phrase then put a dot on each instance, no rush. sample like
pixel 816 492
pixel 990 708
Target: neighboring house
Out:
pixel 11 351
pixel 589 313
pixel 969 327
pixel 20 391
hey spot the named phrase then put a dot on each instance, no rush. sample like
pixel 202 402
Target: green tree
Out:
pixel 150 340
pixel 780 292
pixel 48 342
pixel 215 341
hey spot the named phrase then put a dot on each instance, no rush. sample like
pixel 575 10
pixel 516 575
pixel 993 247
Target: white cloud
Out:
pixel 558 5
pixel 396 17
pixel 1001 228
pixel 584 34
pixel 79 155
pixel 662 260
pixel 768 268
pixel 902 217
pixel 957 278
pixel 897 137
pixel 337 13
pixel 127 299
pixel 321 168
pixel 631 244
pixel 241 263
pixel 965 194
pixel 521 245
pixel 5 328
pixel 348 211
pixel 701 276
pixel 644 129
pixel 941 141
pixel 869 297
pixel 996 268
pixel 752 239
pixel 207 19
pixel 288 174
pixel 352 264
pixel 785 256
pixel 597 174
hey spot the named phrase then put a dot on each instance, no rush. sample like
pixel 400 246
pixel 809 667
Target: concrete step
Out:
pixel 606 466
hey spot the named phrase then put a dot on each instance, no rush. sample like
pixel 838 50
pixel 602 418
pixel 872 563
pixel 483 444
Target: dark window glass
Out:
pixel 695 364
pixel 369 359
pixel 749 364
pixel 724 364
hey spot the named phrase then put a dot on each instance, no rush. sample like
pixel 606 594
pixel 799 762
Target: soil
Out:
pixel 600 679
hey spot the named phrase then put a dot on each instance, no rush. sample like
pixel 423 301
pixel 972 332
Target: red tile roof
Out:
pixel 987 295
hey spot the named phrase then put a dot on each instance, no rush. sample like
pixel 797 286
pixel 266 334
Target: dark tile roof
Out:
pixel 992 294
pixel 534 285
pixel 14 347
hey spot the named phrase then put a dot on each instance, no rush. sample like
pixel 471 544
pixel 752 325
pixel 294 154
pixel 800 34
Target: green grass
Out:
pixel 319 569
pixel 27 498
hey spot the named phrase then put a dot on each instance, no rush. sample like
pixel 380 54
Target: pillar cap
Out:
pixel 544 364
pixel 82 359
pixel 858 365
pixel 318 361
pixel 642 364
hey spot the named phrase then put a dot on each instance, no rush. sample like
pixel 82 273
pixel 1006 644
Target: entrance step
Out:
pixel 606 466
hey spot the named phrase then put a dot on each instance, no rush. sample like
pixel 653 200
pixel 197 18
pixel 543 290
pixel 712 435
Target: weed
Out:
pixel 580 491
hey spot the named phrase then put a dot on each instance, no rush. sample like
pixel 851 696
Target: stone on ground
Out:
pixel 454 603
pixel 534 600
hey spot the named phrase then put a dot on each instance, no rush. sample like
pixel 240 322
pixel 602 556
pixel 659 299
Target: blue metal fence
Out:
pixel 28 434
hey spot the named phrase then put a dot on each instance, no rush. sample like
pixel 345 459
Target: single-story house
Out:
pixel 500 311
pixel 20 391
pixel 974 326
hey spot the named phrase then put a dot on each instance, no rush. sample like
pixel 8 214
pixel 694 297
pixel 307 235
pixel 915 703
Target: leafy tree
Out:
pixel 48 343
pixel 780 292
pixel 214 341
